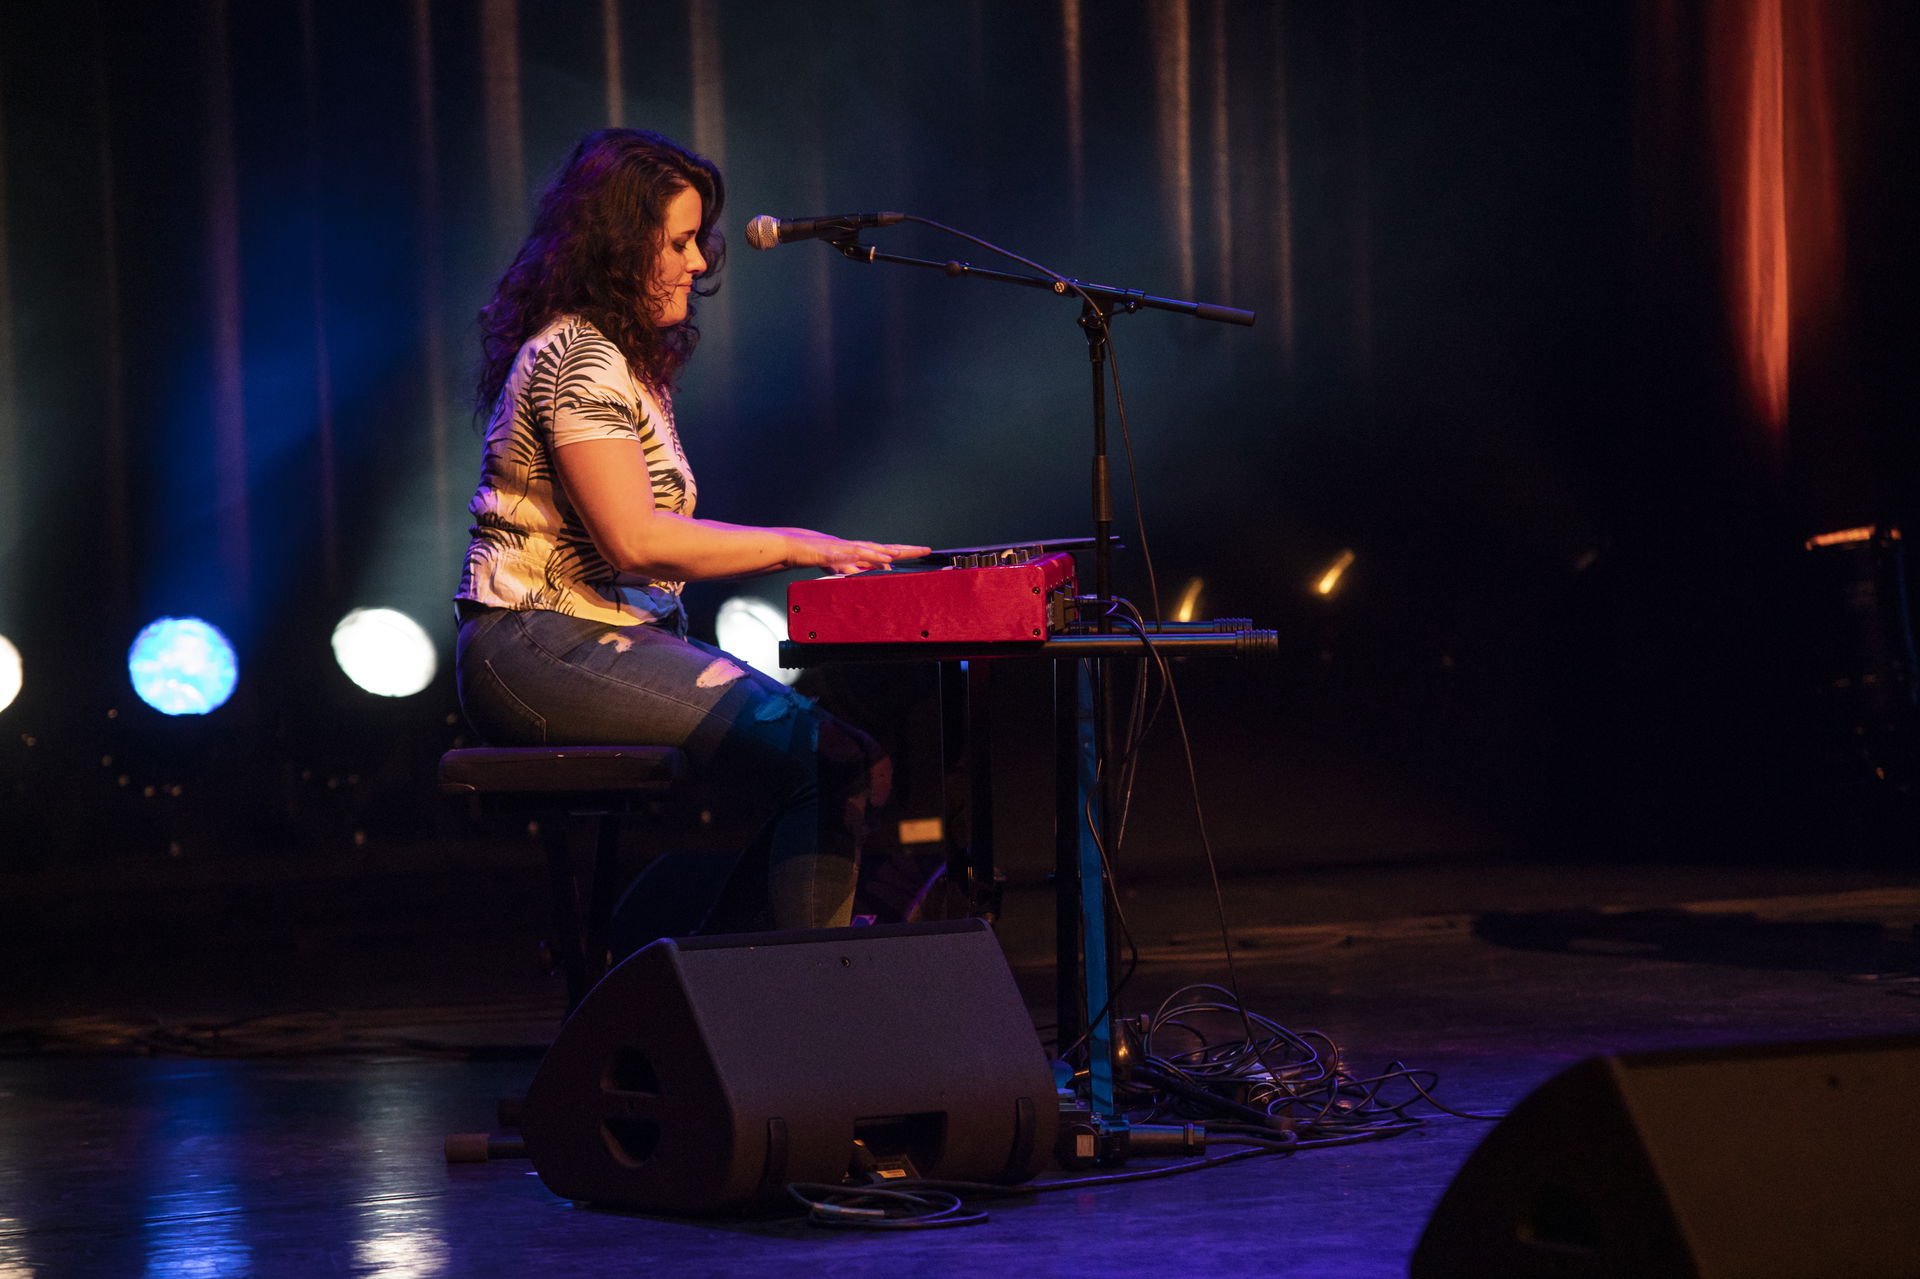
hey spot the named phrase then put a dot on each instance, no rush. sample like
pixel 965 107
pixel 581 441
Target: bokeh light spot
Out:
pixel 384 651
pixel 182 666
pixel 751 629
pixel 12 674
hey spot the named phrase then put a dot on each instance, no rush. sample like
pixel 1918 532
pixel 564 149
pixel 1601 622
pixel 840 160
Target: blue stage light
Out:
pixel 182 666
pixel 10 672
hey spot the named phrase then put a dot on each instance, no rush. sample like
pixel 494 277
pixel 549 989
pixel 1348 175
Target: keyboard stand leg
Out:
pixel 1079 835
pixel 1070 1010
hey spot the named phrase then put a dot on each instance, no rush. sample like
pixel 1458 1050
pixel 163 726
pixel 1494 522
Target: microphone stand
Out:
pixel 1085 715
pixel 1099 303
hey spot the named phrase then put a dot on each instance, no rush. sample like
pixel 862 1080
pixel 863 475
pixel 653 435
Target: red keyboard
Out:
pixel 999 602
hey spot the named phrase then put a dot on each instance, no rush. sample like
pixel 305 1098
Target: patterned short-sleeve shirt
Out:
pixel 530 548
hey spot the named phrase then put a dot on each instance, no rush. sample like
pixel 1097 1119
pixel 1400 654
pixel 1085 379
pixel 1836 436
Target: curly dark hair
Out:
pixel 595 240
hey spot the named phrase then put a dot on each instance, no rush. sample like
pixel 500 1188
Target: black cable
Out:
pixel 1101 846
pixel 1293 1077
pixel 1112 895
pixel 925 1206
pixel 911 1204
pixel 1193 1092
pixel 1141 722
pixel 1166 676
pixel 1113 373
pixel 1400 1073
pixel 1138 725
pixel 1366 1118
pixel 992 1190
pixel 1206 842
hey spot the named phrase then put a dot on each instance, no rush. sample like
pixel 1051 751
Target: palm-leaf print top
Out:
pixel 530 548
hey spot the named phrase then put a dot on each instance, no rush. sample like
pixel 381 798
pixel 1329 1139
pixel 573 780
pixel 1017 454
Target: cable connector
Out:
pixel 869 1169
pixel 1257 644
pixel 1085 1139
pixel 1165 1139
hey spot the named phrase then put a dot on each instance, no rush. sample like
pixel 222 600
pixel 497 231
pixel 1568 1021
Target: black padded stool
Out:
pixel 550 784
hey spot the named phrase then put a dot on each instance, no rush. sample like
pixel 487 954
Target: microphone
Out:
pixel 766 231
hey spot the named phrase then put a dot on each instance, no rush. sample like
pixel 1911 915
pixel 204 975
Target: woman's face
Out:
pixel 679 261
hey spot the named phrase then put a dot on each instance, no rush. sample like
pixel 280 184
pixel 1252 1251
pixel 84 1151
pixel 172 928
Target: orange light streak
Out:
pixel 1762 280
pixel 1816 34
pixel 1329 580
pixel 1842 537
pixel 1776 104
pixel 1189 603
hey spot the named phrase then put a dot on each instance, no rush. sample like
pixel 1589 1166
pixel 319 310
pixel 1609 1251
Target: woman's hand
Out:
pixel 807 549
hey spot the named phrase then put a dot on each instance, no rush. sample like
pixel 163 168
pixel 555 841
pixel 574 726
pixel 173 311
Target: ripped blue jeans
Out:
pixel 539 678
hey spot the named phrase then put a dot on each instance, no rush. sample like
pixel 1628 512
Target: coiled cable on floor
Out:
pixel 922 1207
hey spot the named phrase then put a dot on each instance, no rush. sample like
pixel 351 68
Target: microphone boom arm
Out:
pixel 1111 300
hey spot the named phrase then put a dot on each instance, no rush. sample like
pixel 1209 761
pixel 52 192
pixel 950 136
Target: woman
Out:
pixel 572 629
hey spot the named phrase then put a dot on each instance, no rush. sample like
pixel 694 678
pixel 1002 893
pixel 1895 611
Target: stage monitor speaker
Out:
pixel 703 1074
pixel 1775 1160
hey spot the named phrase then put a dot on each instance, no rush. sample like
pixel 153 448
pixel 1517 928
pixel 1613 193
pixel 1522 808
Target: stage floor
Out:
pixel 319 1152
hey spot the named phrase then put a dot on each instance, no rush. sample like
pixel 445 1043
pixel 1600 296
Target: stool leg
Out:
pixel 606 857
pixel 569 943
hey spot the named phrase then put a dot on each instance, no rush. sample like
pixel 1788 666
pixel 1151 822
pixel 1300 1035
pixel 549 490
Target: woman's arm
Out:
pixel 608 484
